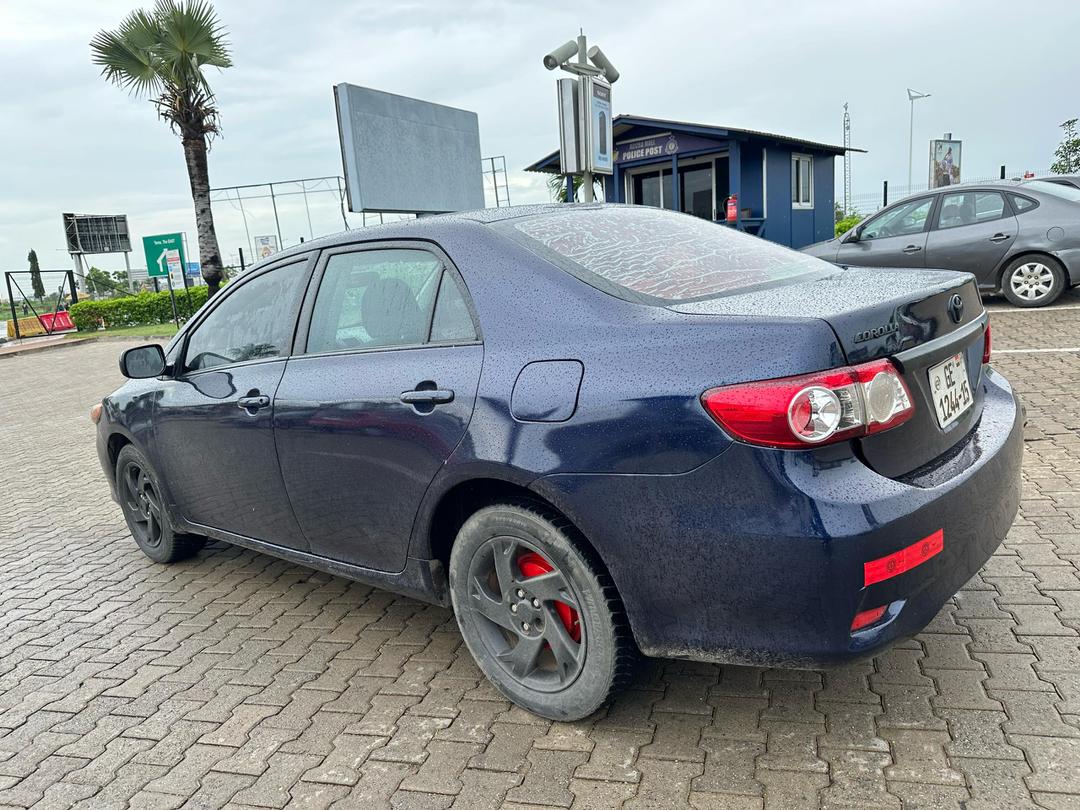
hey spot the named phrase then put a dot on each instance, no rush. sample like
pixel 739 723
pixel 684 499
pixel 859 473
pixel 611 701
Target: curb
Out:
pixel 58 345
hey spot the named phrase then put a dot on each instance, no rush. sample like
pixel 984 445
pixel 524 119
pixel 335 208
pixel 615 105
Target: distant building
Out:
pixel 783 186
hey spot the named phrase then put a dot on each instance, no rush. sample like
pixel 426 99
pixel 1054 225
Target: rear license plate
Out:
pixel 950 390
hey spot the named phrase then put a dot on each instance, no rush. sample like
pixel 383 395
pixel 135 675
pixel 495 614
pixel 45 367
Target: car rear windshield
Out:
pixel 1055 190
pixel 653 255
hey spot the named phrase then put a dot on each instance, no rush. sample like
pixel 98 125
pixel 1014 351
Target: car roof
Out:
pixel 427 227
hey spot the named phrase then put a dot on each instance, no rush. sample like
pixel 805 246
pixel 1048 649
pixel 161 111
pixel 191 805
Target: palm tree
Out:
pixel 557 187
pixel 161 54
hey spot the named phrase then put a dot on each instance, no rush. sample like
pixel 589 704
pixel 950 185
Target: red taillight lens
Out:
pixel 813 409
pixel 868 617
pixel 986 344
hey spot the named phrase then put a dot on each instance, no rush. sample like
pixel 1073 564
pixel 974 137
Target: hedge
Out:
pixel 136 310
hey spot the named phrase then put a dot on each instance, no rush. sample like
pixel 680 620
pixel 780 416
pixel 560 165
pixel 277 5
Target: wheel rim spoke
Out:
pixel 551 587
pixel 494 610
pixel 504 554
pixel 567 652
pixel 521 658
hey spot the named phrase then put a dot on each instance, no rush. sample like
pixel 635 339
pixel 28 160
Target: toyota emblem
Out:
pixel 956 308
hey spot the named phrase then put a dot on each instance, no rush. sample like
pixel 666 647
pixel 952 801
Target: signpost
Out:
pixel 164 256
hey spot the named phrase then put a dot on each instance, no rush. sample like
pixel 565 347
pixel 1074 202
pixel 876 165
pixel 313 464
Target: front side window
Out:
pixel 378 299
pixel 970 208
pixel 254 322
pixel 903 220
pixel 802 181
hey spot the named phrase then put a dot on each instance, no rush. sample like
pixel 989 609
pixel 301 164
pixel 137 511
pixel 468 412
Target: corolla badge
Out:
pixel 890 328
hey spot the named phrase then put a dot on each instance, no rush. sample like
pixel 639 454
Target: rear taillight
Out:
pixel 868 617
pixel 986 344
pixel 813 409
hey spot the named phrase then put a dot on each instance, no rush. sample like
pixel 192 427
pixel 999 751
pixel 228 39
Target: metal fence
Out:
pixel 869 202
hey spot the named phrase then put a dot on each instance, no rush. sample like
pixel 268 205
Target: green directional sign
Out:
pixel 164 254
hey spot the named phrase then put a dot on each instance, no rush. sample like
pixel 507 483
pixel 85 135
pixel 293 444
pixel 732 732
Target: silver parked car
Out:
pixel 1020 238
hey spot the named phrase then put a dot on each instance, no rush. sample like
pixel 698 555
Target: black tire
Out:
pixel 1032 281
pixel 139 493
pixel 511 620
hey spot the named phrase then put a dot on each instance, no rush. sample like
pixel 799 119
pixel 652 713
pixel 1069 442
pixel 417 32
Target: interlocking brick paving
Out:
pixel 235 679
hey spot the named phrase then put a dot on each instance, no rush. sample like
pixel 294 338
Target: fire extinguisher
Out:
pixel 732 208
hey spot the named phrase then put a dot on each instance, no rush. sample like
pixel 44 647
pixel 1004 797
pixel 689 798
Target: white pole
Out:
pixel 910 141
pixel 586 130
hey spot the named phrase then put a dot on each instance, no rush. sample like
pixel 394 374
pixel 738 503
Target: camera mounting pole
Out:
pixel 598 68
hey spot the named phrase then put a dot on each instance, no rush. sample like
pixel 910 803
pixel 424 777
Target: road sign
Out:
pixel 192 269
pixel 164 254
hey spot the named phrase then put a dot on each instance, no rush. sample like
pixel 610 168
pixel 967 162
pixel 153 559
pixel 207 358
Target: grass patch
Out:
pixel 153 330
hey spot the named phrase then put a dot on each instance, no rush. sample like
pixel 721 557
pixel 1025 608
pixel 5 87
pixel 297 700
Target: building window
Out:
pixel 802 181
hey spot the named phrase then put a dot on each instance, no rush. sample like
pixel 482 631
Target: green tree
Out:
pixel 161 54
pixel 104 283
pixel 35 275
pixel 1068 151
pixel 557 187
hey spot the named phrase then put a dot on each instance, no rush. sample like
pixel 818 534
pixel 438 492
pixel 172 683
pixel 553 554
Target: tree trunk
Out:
pixel 209 255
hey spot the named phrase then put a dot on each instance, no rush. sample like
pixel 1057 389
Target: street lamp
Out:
pixel 913 96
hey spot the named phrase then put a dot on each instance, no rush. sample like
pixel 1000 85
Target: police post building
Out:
pixel 774 186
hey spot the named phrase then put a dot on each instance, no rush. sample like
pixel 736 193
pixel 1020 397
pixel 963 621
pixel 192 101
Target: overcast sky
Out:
pixel 1003 77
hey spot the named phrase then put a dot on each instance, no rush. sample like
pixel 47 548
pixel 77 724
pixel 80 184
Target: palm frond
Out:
pixel 164 52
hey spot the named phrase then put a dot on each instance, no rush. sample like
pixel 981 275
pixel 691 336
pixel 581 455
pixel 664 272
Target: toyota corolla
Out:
pixel 594 431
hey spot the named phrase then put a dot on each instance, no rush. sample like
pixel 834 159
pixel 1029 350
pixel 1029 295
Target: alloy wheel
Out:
pixel 528 614
pixel 143 506
pixel 1032 281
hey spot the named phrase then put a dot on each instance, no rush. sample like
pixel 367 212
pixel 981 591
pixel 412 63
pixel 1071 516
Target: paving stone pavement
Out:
pixel 234 679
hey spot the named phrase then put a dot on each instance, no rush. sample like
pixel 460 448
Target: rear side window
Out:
pixel 1022 204
pixel 970 208
pixel 650 255
pixel 381 299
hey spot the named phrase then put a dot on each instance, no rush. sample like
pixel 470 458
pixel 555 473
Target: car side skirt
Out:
pixel 420 579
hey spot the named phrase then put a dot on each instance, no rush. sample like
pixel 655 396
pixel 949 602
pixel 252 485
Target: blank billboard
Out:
pixel 403 155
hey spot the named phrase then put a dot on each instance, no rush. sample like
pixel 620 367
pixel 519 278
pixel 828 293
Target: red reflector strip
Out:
pixel 867 617
pixel 903 560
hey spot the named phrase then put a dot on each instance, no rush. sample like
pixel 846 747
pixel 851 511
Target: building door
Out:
pixel 651 188
pixel 697 192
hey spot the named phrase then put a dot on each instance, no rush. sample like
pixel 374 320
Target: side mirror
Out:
pixel 143 362
pixel 852 235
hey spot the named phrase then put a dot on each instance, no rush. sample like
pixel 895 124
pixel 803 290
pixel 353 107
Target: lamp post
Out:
pixel 913 96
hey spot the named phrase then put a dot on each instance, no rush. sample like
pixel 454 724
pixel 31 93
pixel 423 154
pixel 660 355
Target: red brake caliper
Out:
pixel 531 565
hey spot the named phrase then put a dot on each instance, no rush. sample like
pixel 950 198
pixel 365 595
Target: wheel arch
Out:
pixel 438 527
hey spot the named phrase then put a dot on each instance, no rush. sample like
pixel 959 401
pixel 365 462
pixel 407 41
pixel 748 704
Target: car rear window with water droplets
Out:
pixel 662 255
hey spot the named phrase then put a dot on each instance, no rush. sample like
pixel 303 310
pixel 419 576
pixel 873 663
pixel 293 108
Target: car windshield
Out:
pixel 649 255
pixel 1055 190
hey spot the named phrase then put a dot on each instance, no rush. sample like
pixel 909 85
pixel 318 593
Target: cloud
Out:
pixel 73 143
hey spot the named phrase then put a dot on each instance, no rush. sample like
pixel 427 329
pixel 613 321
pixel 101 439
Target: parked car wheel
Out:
pixel 140 497
pixel 1032 281
pixel 543 623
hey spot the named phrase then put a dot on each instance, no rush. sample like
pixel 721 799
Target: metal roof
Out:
pixel 624 123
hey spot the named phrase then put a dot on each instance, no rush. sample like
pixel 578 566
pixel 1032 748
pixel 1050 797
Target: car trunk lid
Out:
pixel 918 318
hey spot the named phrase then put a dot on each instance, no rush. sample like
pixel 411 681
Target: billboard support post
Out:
pixel 172 300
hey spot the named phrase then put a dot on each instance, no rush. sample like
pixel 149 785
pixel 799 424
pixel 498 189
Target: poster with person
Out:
pixel 944 163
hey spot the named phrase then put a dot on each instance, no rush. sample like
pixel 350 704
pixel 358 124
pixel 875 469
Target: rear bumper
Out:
pixel 757 556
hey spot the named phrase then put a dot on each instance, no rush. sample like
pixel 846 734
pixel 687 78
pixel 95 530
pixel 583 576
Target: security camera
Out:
pixel 563 53
pixel 601 61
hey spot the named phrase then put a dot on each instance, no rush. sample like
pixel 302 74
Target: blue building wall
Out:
pixel 759 173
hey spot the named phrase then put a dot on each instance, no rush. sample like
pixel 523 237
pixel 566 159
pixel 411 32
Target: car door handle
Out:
pixel 999 237
pixel 253 403
pixel 912 249
pixel 434 396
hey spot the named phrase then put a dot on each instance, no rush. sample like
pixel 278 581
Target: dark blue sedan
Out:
pixel 593 430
